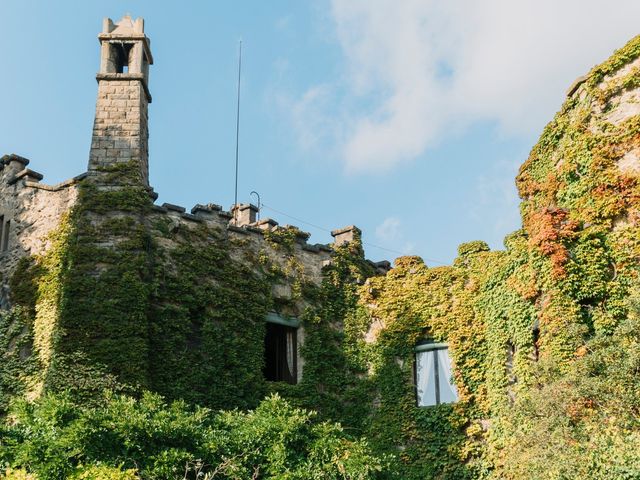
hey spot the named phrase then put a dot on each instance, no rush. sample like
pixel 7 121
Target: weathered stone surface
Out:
pixel 346 234
pixel 30 211
pixel 175 208
pixel 630 162
pixel 244 214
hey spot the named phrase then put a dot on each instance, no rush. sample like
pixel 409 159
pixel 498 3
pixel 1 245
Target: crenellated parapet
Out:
pixel 251 235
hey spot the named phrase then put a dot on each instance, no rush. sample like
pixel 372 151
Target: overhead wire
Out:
pixel 368 244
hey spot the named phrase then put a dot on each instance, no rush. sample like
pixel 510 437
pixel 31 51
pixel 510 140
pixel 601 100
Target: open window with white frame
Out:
pixel 433 375
pixel 281 349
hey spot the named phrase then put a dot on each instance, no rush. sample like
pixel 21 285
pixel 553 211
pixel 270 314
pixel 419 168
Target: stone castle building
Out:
pixel 103 288
pixel 30 210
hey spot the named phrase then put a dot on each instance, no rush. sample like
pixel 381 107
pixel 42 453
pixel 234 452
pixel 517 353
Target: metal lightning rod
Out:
pixel 235 199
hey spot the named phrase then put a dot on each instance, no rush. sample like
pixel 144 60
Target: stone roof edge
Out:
pixel 200 213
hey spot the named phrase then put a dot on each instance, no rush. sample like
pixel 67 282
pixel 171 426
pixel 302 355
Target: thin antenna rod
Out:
pixel 235 198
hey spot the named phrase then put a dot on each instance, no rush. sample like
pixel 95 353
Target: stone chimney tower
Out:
pixel 120 129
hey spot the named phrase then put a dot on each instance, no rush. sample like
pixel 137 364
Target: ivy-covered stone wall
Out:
pixel 135 296
pixel 132 296
pixel 561 280
pixel 564 278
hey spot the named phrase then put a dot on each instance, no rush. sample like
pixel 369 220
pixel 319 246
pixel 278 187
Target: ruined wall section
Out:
pixel 29 211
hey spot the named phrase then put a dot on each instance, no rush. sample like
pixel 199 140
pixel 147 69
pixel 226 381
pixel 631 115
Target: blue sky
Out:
pixel 408 119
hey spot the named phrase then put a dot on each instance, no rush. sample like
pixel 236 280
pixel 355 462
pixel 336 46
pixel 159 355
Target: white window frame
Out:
pixel 431 348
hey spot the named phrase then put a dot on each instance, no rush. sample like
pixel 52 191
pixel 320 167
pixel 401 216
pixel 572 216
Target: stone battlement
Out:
pixel 30 210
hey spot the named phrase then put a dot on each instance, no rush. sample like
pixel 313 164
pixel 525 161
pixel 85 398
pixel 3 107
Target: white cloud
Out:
pixel 389 230
pixel 415 70
pixel 283 22
pixel 309 115
pixel 496 199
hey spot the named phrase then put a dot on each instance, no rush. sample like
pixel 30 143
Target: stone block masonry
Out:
pixel 29 212
pixel 120 129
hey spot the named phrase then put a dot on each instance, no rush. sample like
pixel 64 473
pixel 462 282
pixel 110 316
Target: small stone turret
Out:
pixel 120 130
pixel 244 214
pixel 14 162
pixel 346 235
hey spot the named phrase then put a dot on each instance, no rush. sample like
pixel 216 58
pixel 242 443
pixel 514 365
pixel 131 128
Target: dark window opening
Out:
pixel 280 354
pixel 512 379
pixel 194 337
pixel 1 230
pixel 121 52
pixel 536 344
pixel 511 353
pixel 5 242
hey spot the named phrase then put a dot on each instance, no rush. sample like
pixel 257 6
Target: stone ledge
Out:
pixel 59 186
pixel 311 248
pixel 12 157
pixel 189 216
pixel 158 208
pixel 225 214
pixel 382 267
pixel 252 229
pixel 28 174
pixel 241 230
pixel 576 84
pixel 209 208
pixel 119 77
pixel 119 37
pixel 266 224
pixel 174 208
pixel 350 228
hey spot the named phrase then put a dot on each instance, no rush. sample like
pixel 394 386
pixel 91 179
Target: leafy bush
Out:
pixel 101 472
pixel 11 474
pixel 55 438
pixel 584 421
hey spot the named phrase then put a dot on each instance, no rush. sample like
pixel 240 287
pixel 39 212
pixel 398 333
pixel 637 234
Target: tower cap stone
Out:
pixel 14 161
pixel 346 234
pixel 244 214
pixel 125 27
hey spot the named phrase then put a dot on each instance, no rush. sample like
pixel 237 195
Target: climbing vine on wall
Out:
pixel 130 298
pixel 207 323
